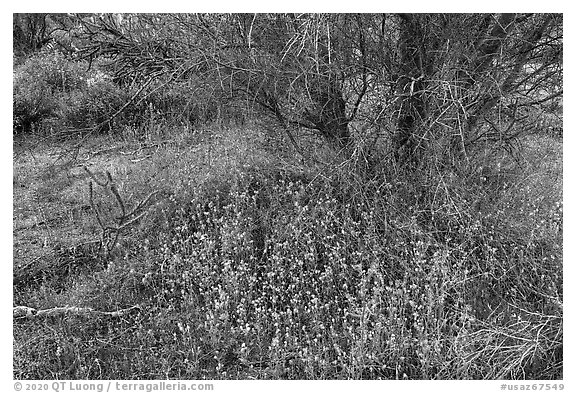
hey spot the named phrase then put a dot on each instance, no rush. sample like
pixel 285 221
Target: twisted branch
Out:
pixel 111 233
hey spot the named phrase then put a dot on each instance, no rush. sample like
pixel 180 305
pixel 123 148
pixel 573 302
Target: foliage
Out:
pixel 38 84
pixel 249 269
pixel 49 86
pixel 407 223
pixel 30 33
pixel 193 101
pixel 94 104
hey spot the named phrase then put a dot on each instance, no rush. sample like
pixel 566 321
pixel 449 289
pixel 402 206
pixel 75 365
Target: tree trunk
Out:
pixel 328 115
pixel 410 88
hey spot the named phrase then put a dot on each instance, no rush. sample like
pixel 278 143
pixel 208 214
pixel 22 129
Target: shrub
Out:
pixel 253 269
pixel 38 85
pixel 292 275
pixel 195 101
pixel 49 86
pixel 93 104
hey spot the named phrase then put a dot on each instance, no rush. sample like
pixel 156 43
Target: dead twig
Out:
pixel 136 160
pixel 21 312
pixel 110 233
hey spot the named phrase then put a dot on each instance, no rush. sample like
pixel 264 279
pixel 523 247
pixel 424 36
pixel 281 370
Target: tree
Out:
pixel 456 69
pixel 34 32
pixel 30 33
pixel 428 83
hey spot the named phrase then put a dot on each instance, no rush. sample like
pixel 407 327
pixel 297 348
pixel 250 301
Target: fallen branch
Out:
pixel 105 150
pixel 111 233
pixel 136 160
pixel 20 312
